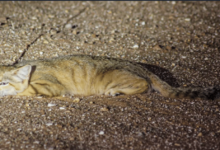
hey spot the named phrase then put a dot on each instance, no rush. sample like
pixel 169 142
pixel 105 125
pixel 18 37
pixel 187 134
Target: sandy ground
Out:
pixel 179 41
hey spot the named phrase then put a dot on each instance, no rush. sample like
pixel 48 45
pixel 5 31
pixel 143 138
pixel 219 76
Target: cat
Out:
pixel 87 75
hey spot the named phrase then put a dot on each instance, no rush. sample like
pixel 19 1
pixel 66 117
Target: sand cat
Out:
pixel 86 75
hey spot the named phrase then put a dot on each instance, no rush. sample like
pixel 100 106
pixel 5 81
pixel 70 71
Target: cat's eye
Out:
pixel 3 83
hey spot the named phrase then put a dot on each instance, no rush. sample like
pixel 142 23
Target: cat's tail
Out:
pixel 172 92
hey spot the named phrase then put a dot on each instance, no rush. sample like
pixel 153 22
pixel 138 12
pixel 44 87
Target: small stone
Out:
pixel 68 26
pixel 41 53
pixel 111 39
pixel 62 108
pixel 212 134
pixel 53 31
pixel 157 47
pixel 34 18
pixel 176 144
pixel 76 100
pixel 143 61
pixel 183 57
pixel 104 109
pixel 140 134
pixel 187 19
pixel 142 23
pixel 20 51
pixel 51 16
pixel 135 46
pixel 101 133
pixel 45 42
pixel 49 123
pixel 91 102
pixel 36 142
pixel 14 58
pixel 19 129
pixel 74 32
pixel 55 55
pixel 51 105
pixel 200 134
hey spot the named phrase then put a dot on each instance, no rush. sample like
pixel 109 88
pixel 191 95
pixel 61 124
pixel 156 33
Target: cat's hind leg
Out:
pixel 134 85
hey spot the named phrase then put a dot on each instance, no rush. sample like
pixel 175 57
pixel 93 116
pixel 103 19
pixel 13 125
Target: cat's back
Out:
pixel 81 61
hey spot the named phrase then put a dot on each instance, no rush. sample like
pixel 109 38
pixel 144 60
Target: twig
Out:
pixel 29 45
pixel 26 49
pixel 68 20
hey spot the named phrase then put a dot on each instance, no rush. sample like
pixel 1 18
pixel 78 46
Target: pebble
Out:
pixel 101 133
pixel 34 18
pixel 53 31
pixel 68 26
pixel 177 144
pixel 51 16
pixel 74 32
pixel 36 142
pixel 200 134
pixel 49 123
pixel 62 108
pixel 76 100
pixel 51 105
pixel 135 46
pixel 104 109
pixel 19 129
pixel 46 42
pixel 187 19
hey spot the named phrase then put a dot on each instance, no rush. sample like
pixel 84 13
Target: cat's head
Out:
pixel 15 80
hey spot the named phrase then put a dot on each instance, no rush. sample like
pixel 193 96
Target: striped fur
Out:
pixel 88 75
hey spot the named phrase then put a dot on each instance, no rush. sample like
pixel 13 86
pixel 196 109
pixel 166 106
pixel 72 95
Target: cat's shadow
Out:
pixel 162 73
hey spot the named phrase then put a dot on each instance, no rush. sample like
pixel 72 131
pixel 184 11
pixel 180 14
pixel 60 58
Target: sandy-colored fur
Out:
pixel 84 75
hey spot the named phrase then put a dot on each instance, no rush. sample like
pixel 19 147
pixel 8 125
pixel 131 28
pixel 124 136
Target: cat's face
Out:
pixel 14 81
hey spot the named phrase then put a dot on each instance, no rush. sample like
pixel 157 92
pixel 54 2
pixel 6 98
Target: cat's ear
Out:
pixel 21 74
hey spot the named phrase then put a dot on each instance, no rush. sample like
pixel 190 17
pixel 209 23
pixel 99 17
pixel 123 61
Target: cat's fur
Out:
pixel 87 75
